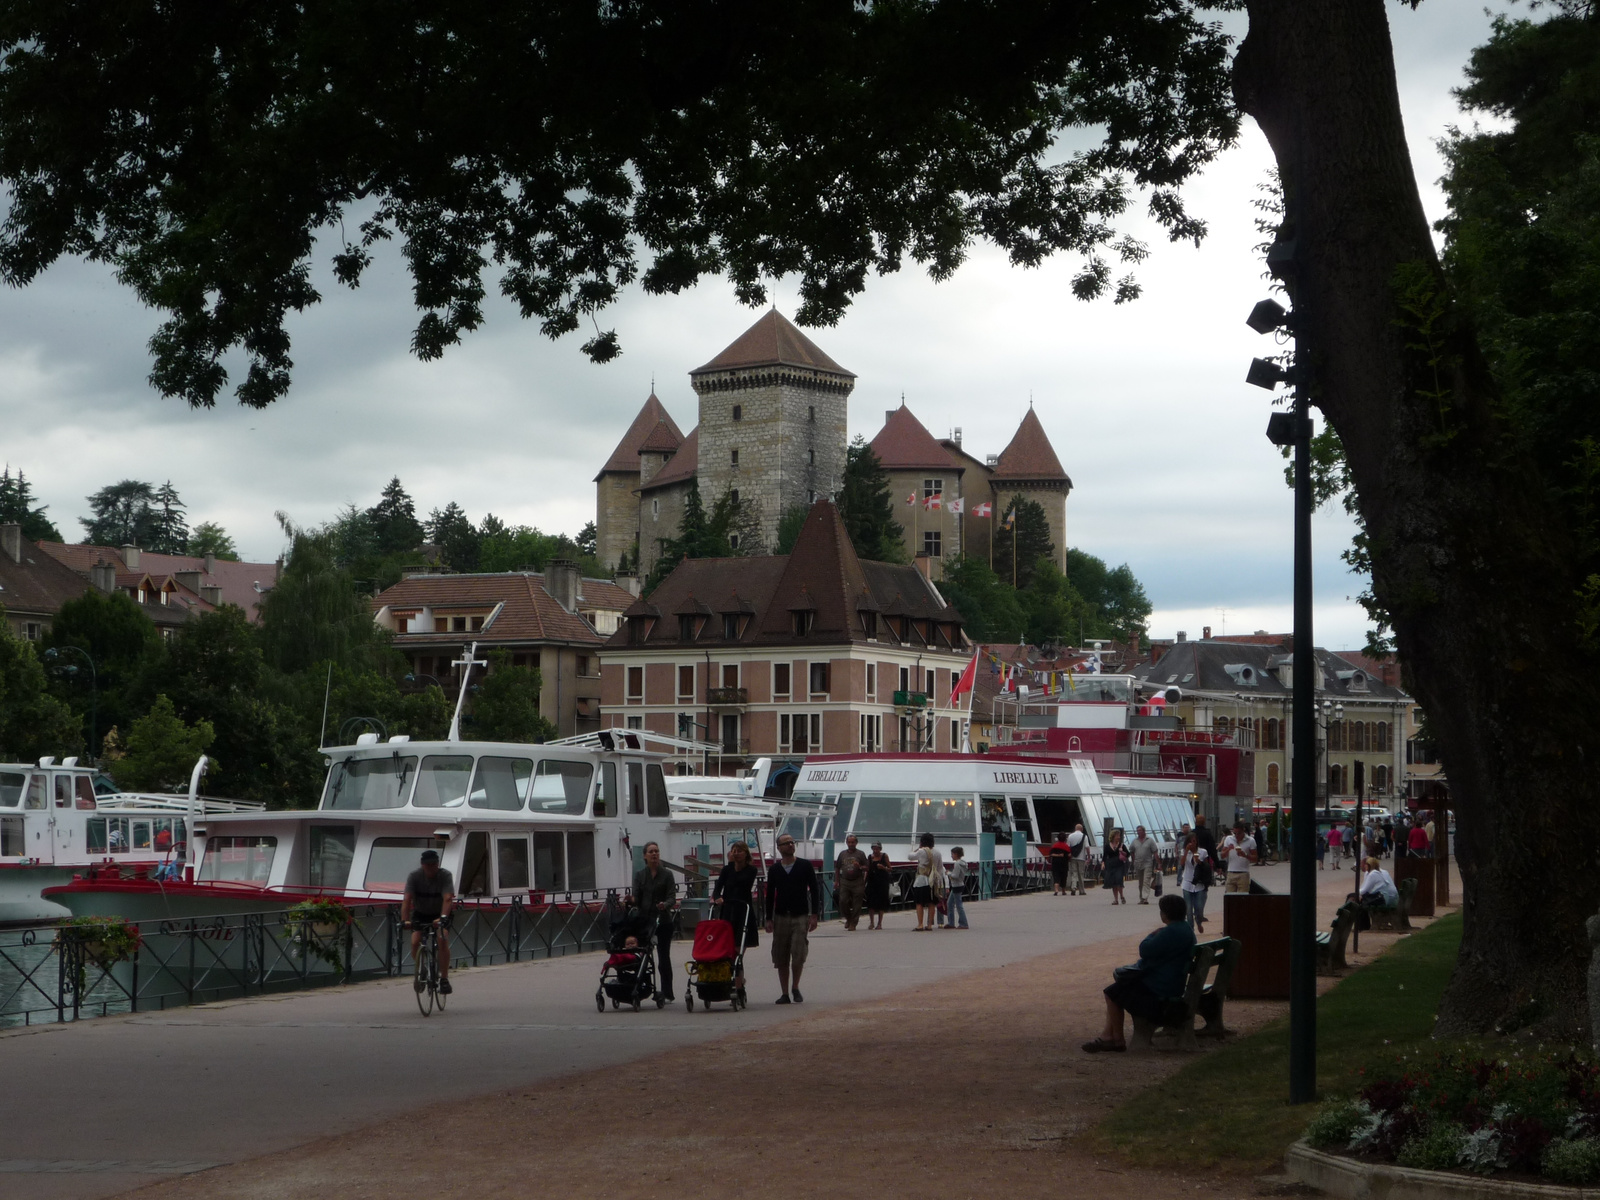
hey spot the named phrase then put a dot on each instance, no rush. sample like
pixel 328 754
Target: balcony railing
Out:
pixel 725 696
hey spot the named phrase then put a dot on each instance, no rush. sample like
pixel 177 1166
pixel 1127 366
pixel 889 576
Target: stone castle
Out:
pixel 772 432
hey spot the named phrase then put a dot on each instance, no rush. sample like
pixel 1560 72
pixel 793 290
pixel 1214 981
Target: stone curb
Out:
pixel 1353 1180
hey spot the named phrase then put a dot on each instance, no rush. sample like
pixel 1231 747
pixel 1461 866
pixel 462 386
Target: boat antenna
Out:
pixel 322 735
pixel 466 662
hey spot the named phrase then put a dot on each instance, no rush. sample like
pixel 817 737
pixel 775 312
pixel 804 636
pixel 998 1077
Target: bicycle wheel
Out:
pixel 439 997
pixel 427 972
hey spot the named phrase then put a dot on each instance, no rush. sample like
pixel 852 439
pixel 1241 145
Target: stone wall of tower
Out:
pixel 1051 498
pixel 616 516
pixel 789 431
pixel 659 513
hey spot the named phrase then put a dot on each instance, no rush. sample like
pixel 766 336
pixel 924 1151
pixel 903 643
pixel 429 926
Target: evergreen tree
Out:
pixel 210 538
pixel 867 508
pixel 124 515
pixel 171 534
pixel 789 527
pixel 32 721
pixel 17 508
pixel 457 538
pixel 1030 535
pixel 588 540
pixel 699 536
pixel 394 521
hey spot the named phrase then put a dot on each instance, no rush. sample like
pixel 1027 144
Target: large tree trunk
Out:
pixel 1470 553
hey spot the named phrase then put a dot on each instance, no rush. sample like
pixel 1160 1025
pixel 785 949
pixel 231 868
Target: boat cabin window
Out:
pixel 794 827
pixel 996 818
pixel 474 879
pixel 635 787
pixel 12 786
pixel 511 864
pixel 605 802
pixel 1022 819
pixel 169 834
pixel 13 837
pixel 442 782
pixel 391 860
pixel 843 814
pixel 85 791
pixel 823 829
pixel 550 861
pixel 885 815
pixel 1059 814
pixel 656 784
pixel 501 783
pixel 243 859
pixel 141 835
pixel 580 861
pixel 332 848
pixel 948 818
pixel 562 787
pixel 63 790
pixel 369 782
pixel 107 835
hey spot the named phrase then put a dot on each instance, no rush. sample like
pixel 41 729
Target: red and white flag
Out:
pixel 983 510
pixel 956 506
pixel 964 684
pixel 934 501
pixel 911 499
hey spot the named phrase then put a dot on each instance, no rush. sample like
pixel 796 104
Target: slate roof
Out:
pixel 773 340
pixel 904 444
pixel 1030 454
pixel 1202 666
pixel 822 575
pixel 241 583
pixel 626 456
pixel 530 614
pixel 681 466
pixel 39 585
pixel 663 439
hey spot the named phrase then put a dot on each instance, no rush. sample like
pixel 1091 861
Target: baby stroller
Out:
pixel 629 973
pixel 718 961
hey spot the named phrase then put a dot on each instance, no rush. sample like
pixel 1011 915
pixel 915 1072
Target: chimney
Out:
pixel 561 582
pixel 211 564
pixel 130 557
pixel 925 565
pixel 957 438
pixel 211 594
pixel 11 542
pixel 629 581
pixel 103 576
pixel 188 579
pixel 1205 633
pixel 1133 648
pixel 1182 636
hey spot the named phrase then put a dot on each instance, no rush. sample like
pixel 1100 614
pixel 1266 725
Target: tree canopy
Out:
pixel 17 507
pixel 867 508
pixel 1021 539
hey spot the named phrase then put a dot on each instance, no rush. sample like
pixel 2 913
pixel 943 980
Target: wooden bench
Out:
pixel 1200 999
pixel 1398 918
pixel 1330 945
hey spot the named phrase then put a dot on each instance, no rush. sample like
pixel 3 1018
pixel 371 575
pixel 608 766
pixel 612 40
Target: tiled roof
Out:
pixel 39 584
pixel 663 439
pixel 1030 455
pixel 681 466
pixel 772 341
pixel 1203 666
pixel 904 444
pixel 241 583
pixel 530 614
pixel 822 575
pixel 626 456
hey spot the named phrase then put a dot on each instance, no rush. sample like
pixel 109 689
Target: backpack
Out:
pixel 1203 873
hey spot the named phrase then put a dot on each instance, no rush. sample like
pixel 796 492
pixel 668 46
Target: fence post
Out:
pixel 986 866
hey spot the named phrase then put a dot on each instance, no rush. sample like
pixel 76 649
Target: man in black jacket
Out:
pixel 654 892
pixel 794 900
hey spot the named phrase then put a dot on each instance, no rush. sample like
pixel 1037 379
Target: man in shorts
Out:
pixel 1077 860
pixel 794 900
pixel 430 895
pixel 1239 852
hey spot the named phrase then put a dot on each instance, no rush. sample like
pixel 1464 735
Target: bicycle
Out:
pixel 428 970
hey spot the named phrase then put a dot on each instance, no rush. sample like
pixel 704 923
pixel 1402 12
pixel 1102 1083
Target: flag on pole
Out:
pixel 1011 519
pixel 964 684
pixel 957 506
pixel 983 510
pixel 911 499
pixel 934 501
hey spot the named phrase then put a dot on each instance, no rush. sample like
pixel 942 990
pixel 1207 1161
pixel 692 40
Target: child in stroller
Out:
pixel 629 973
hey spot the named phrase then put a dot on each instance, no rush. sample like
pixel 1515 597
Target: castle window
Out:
pixel 932 487
pixel 813 456
pixel 933 544
pixel 655 510
pixel 734 493
pixel 811 496
pixel 735 454
pixel 811 413
pixel 738 412
pixel 733 541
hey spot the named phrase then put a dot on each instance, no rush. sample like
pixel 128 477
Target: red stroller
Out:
pixel 718 961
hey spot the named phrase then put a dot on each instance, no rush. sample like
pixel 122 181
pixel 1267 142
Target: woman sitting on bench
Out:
pixel 1377 891
pixel 1146 988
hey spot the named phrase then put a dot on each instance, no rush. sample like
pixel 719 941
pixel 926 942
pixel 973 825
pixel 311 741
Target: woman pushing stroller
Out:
pixel 732 897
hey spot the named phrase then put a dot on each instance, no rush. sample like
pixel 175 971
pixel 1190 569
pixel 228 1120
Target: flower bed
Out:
pixel 1531 1114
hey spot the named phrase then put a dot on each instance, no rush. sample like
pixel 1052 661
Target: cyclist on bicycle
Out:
pixel 429 897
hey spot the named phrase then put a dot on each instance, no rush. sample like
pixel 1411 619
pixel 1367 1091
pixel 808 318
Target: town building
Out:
pixel 812 652
pixel 178 583
pixel 33 585
pixel 555 622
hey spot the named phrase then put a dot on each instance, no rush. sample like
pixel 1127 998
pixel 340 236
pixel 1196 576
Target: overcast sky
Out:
pixel 1146 402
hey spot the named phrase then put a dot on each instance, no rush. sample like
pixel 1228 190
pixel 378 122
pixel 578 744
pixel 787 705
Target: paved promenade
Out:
pixel 115 1103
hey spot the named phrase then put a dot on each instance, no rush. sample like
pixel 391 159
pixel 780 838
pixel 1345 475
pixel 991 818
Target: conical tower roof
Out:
pixel 1030 455
pixel 772 341
pixel 626 456
pixel 904 444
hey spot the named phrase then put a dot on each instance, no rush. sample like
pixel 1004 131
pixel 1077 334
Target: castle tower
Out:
pixel 772 422
pixel 649 444
pixel 1028 467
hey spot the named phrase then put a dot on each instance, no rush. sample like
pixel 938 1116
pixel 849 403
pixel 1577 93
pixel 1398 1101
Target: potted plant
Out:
pixel 315 928
pixel 104 941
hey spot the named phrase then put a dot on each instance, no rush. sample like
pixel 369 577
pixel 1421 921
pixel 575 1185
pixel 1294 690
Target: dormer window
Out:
pixel 686 628
pixel 869 623
pixel 638 629
pixel 805 620
pixel 730 627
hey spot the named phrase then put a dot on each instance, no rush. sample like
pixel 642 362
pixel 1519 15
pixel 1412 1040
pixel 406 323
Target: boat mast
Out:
pixel 466 662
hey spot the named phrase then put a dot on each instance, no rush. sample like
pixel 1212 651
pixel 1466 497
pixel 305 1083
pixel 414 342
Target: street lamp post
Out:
pixel 53 654
pixel 1293 428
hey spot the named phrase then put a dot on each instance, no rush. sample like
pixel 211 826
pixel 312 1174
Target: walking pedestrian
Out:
pixel 1059 853
pixel 1077 860
pixel 1418 840
pixel 1388 836
pixel 794 901
pixel 1334 838
pixel 922 884
pixel 1239 852
pixel 654 892
pixel 956 899
pixel 1116 867
pixel 850 869
pixel 1431 834
pixel 1194 881
pixel 1322 848
pixel 879 876
pixel 1204 838
pixel 731 897
pixel 1144 862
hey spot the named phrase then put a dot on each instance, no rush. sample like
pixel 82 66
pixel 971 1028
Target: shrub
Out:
pixel 1573 1160
pixel 1335 1124
pixel 1437 1148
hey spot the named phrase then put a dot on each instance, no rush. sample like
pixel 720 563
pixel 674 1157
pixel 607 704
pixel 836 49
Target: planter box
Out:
pixel 1355 1180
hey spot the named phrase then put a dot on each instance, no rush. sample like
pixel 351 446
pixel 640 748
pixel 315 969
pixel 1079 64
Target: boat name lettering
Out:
pixel 1026 777
pixel 827 776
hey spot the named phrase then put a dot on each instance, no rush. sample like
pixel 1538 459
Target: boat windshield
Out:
pixel 562 787
pixel 12 785
pixel 369 782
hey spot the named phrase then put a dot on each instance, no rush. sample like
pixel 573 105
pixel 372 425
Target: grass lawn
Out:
pixel 1231 1106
